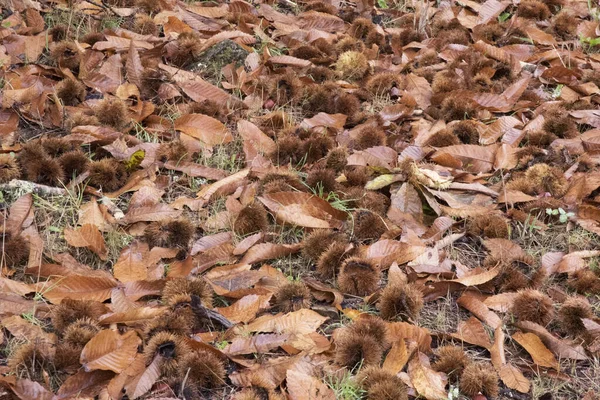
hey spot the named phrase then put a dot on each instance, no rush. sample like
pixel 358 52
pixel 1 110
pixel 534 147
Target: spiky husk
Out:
pixel 203 369
pixel 81 331
pixel 479 377
pixel 352 65
pixel 318 241
pixel 533 305
pixel 70 92
pixel 400 302
pixel 169 234
pixel 331 259
pixel 188 286
pixel 46 171
pixel 70 310
pixel 452 360
pixel 293 296
pixel 171 349
pixel 30 360
pixel 358 276
pixel 66 55
pixel 368 226
pixel 369 136
pixel 108 174
pixel 585 282
pixel 74 163
pixel 353 349
pixel 252 218
pixel 112 112
pixel 322 180
pixel 571 314
pixel 15 248
pixel 488 225
pixel 9 168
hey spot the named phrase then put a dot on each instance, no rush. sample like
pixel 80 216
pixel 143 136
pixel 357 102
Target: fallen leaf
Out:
pixel 87 236
pixel 110 351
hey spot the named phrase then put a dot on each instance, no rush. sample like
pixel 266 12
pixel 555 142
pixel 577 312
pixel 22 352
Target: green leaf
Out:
pixel 135 160
pixel 504 16
pixel 382 4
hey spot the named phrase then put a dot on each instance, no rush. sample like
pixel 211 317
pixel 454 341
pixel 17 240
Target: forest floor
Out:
pixel 299 200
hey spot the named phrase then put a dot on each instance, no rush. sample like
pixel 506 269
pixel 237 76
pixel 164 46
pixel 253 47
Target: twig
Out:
pixel 115 211
pixel 30 187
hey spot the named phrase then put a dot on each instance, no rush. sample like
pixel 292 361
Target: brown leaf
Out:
pixel 420 89
pixel 405 331
pixel 133 316
pixel 245 309
pixel 26 331
pixel 79 287
pixel 19 210
pixel 428 383
pixel 31 390
pixel 303 209
pixel 472 331
pixel 209 190
pixel 397 357
pixel 267 251
pixel 300 322
pixel 110 351
pixel 153 213
pixel 260 343
pixel 83 384
pixel 255 141
pixel 90 213
pixel 208 130
pixel 302 386
pixel 480 310
pixel 560 347
pixel 193 169
pixel 514 379
pixel 143 382
pixel 334 296
pixel 536 349
pixel 334 121
pixel 131 265
pixel 87 236
pixel 290 61
pixel 501 302
pixel 134 66
pixel 472 158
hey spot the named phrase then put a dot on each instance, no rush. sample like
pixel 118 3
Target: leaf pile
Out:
pixel 303 200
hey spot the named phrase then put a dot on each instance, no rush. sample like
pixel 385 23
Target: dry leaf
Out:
pixel 87 236
pixel 428 383
pixel 110 351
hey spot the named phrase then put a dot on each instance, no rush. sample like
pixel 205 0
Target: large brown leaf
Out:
pixel 536 349
pixel 83 384
pixel 472 158
pixel 302 386
pixel 559 347
pixel 80 287
pixel 131 265
pixel 156 212
pixel 300 322
pixel 208 130
pixel 110 351
pixel 87 236
pixel 303 209
pixel 268 251
pixel 428 383
pixel 245 309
